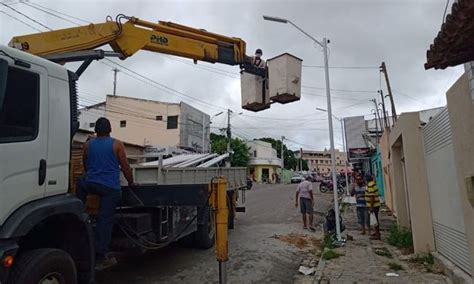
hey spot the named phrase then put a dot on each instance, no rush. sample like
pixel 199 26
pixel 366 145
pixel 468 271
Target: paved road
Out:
pixel 255 256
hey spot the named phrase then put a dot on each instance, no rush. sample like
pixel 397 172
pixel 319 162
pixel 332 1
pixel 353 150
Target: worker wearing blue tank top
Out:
pixel 103 157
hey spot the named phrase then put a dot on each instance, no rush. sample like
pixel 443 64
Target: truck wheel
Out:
pixel 204 237
pixel 44 266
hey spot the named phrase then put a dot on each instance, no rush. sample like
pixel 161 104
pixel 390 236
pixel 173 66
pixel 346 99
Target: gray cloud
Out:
pixel 362 33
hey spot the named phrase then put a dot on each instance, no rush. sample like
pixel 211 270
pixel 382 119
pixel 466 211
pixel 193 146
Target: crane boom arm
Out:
pixel 135 35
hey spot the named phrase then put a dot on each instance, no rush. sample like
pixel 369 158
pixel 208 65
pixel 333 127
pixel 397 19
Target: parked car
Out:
pixel 296 179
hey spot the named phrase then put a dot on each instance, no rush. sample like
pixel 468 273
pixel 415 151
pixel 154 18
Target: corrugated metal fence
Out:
pixel 446 209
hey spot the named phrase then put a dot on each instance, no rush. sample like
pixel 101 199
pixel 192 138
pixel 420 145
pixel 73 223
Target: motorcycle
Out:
pixel 327 185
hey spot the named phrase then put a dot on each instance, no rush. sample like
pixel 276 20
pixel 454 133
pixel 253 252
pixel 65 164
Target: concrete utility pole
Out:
pixel 301 159
pixel 282 154
pixel 376 120
pixel 115 80
pixel 229 137
pixel 383 69
pixel 383 109
pixel 203 134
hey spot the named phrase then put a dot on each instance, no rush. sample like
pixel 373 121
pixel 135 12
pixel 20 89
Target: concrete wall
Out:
pixel 193 123
pixel 410 185
pixel 387 167
pixel 89 115
pixel 140 115
pixel 461 115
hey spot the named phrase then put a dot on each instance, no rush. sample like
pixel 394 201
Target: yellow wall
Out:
pixel 258 172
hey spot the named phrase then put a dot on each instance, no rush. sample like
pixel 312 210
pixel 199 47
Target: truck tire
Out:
pixel 204 237
pixel 45 265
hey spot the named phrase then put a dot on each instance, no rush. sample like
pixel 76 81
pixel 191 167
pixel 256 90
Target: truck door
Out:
pixel 23 137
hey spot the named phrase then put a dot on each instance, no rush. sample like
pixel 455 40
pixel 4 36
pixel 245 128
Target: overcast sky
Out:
pixel 362 34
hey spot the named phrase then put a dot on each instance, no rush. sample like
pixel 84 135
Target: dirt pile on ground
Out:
pixel 299 240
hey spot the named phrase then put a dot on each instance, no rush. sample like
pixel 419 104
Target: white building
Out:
pixel 151 123
pixel 263 164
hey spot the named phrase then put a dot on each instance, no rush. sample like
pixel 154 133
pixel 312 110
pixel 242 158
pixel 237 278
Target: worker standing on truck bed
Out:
pixel 103 157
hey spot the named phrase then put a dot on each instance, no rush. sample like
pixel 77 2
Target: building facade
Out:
pixel 264 165
pixel 151 123
pixel 320 161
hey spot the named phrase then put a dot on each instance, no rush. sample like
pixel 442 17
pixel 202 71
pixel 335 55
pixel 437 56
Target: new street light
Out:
pixel 343 146
pixel 324 45
pixel 204 130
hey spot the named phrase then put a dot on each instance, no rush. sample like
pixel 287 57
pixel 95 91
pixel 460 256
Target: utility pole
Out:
pixel 383 109
pixel 282 153
pixel 203 134
pixel 383 69
pixel 229 137
pixel 301 159
pixel 376 120
pixel 115 80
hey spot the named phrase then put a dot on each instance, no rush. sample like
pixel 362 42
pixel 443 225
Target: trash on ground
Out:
pixel 392 274
pixel 306 270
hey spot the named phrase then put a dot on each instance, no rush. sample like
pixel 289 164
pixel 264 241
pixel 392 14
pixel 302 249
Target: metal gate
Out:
pixel 446 209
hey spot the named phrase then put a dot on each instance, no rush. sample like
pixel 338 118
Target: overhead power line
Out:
pixel 59 12
pixel 49 13
pixel 21 21
pixel 24 15
pixel 341 67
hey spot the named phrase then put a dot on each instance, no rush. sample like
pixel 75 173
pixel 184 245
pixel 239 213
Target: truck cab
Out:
pixel 39 219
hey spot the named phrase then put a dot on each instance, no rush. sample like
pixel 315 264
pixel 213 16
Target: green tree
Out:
pixel 241 152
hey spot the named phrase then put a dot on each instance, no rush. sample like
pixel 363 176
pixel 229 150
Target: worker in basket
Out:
pixel 103 157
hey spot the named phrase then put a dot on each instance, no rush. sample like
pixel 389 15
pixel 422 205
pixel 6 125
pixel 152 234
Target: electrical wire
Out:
pixel 340 67
pixel 24 15
pixel 21 21
pixel 49 13
pixel 445 11
pixel 58 12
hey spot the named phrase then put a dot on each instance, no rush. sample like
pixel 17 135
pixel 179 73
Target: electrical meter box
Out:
pixel 284 78
pixel 254 92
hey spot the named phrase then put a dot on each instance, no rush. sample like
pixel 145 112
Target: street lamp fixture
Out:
pixel 324 45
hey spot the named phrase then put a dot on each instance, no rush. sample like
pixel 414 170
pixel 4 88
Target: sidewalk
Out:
pixel 360 264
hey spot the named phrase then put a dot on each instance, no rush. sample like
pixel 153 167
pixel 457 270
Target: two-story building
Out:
pixel 151 123
pixel 320 161
pixel 264 165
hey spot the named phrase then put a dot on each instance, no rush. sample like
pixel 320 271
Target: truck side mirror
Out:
pixel 3 80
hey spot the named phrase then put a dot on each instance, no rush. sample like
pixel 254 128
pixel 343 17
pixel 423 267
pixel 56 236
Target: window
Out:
pixel 255 153
pixel 172 122
pixel 92 124
pixel 20 111
pixel 159 117
pixel 123 123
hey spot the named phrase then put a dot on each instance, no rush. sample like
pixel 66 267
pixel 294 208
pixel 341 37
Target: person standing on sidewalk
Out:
pixel 358 189
pixel 304 193
pixel 372 200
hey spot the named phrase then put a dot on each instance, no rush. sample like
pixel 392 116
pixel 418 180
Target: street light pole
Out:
pixel 331 140
pixel 324 45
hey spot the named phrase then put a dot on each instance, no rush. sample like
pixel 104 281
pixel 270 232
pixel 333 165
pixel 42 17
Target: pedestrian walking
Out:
pixel 304 194
pixel 358 190
pixel 372 200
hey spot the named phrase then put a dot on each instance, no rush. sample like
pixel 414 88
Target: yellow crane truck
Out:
pixel 46 233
